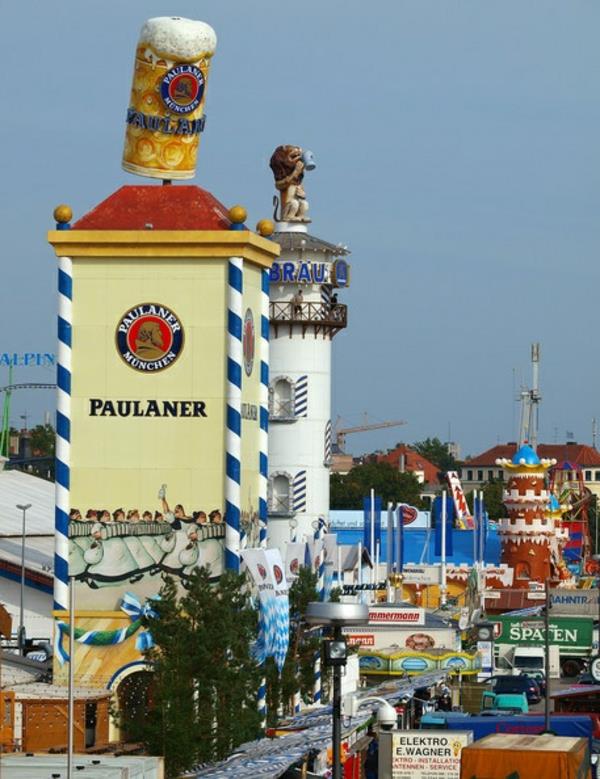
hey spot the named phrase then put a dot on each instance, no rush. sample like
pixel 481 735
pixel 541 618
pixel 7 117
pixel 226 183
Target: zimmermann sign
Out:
pixel 397 617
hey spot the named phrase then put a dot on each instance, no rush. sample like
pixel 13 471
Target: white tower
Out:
pixel 304 317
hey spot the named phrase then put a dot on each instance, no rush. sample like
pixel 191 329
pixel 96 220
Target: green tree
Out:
pixel 492 498
pixel 437 453
pixel 205 679
pixel 348 491
pixel 43 439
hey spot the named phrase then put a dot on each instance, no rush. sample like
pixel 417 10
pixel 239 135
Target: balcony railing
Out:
pixel 319 316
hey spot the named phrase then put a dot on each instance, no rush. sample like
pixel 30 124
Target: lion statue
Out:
pixel 288 169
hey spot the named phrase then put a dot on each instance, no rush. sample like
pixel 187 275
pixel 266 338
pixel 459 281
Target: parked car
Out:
pixel 503 704
pixel 515 685
pixel 540 678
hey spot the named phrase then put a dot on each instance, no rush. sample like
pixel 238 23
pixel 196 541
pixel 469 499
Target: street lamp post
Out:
pixel 337 616
pixel 21 636
pixel 548 605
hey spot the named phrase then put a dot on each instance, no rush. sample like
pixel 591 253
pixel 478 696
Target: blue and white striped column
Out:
pixel 318 536
pixel 263 438
pixel 63 434
pixel 263 448
pixel 233 440
pixel 261 702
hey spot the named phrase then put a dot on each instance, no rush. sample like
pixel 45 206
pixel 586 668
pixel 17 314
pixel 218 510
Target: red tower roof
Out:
pixel 171 207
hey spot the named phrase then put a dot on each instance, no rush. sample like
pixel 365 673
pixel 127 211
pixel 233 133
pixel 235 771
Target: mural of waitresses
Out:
pixel 102 555
pixel 395 662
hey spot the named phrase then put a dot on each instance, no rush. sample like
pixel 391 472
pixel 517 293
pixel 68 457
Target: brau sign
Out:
pixel 381 615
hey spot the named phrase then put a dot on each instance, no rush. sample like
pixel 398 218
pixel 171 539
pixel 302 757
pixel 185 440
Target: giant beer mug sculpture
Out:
pixel 166 110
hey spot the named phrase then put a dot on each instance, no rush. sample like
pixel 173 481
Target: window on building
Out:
pixel 281 398
pixel 490 475
pixel 597 476
pixel 500 475
pixel 280 494
pixel 522 571
pixel 469 475
pixel 588 475
pixel 479 475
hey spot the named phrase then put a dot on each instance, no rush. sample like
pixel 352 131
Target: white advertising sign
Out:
pixel 360 639
pixel 382 615
pixel 419 754
pixel 421 574
pixel 486 650
pixel 583 602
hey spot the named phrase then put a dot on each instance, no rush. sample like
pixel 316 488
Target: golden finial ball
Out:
pixel 63 213
pixel 265 227
pixel 238 214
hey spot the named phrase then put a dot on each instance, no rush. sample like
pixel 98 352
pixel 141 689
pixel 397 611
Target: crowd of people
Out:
pixel 134 515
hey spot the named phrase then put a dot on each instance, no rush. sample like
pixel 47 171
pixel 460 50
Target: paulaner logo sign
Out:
pixel 100 407
pixel 149 337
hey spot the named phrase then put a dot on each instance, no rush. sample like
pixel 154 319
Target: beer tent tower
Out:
pixel 527 534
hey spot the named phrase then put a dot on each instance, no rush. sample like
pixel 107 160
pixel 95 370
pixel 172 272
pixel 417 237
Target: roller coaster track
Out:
pixel 8 390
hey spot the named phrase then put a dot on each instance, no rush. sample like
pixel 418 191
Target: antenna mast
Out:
pixel 530 400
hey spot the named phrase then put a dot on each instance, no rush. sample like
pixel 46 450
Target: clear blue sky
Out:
pixel 457 143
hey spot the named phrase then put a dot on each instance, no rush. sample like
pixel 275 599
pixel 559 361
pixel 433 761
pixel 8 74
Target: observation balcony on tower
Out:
pixel 319 317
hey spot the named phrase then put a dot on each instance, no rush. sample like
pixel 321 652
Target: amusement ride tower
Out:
pixel 528 534
pixel 304 317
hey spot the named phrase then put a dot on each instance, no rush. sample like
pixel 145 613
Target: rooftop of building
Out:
pixel 571 452
pixel 300 241
pixel 19 489
pixel 413 461
pixel 156 207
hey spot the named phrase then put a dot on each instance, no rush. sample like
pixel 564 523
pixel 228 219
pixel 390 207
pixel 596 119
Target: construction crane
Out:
pixel 341 433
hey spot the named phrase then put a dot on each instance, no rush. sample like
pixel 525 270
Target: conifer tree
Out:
pixel 205 678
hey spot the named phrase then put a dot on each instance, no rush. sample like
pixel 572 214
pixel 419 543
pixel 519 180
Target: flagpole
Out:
pixel 71 679
pixel 443 592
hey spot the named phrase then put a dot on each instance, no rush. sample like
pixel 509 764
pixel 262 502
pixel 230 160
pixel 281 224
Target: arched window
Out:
pixel 280 494
pixel 281 398
pixel 135 700
pixel 522 571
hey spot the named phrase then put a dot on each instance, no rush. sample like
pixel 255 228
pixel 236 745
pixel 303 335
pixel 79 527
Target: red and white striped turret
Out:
pixel 527 534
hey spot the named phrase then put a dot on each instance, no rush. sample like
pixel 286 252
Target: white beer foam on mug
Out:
pixel 179 39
